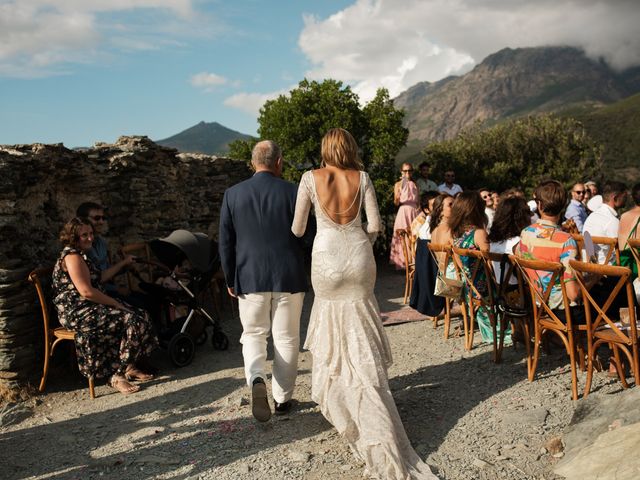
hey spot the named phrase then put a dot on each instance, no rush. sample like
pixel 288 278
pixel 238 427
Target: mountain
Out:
pixel 210 138
pixel 508 84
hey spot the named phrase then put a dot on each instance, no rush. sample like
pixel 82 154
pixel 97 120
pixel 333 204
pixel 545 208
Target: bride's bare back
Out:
pixel 338 192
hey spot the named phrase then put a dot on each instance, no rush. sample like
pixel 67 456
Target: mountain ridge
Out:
pixel 209 138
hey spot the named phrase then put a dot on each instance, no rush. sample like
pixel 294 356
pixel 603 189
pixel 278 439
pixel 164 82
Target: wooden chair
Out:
pixel 610 243
pixel 603 328
pixel 517 310
pixel 544 318
pixel 634 245
pixel 444 250
pixel 408 250
pixel 52 335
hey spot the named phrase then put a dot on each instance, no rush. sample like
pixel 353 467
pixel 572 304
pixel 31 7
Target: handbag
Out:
pixel 448 287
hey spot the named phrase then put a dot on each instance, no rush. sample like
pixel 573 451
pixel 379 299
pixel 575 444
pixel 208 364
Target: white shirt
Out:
pixel 603 222
pixel 453 191
pixel 506 246
pixel 490 213
pixel 425 230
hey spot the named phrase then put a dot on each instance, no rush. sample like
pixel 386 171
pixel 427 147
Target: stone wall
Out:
pixel 149 191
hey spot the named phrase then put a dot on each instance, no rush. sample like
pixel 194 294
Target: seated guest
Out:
pixel 418 225
pixel 99 252
pixel 109 335
pixel 604 221
pixel 468 224
pixel 629 229
pixel 489 207
pixel 439 224
pixel 576 211
pixel 512 216
pixel 449 187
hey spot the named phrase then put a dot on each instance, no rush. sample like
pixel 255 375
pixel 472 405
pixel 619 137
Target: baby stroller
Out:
pixel 180 335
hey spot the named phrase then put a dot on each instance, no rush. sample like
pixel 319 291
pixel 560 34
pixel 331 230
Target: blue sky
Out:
pixel 82 71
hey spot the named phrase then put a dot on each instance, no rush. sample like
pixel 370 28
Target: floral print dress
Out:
pixel 107 339
pixel 467 240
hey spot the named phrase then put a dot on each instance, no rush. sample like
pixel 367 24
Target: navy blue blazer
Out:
pixel 258 251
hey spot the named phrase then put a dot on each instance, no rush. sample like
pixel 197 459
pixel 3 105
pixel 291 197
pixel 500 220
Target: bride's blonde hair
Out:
pixel 339 149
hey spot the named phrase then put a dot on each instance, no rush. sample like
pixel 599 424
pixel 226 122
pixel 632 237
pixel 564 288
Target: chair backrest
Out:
pixel 479 264
pixel 540 294
pixel 634 246
pixel 408 247
pixel 604 317
pixel 609 243
pixel 511 270
pixel 145 270
pixel 442 253
pixel 36 277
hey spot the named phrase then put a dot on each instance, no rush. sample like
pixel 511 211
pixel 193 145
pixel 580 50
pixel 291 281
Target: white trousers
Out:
pixel 278 313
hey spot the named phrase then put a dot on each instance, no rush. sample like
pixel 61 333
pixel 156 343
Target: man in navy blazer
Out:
pixel 263 264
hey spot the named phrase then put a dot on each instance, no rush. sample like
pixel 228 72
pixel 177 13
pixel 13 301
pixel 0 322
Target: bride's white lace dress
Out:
pixel 350 349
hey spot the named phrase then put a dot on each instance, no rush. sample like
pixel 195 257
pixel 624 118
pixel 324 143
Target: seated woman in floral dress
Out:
pixel 109 335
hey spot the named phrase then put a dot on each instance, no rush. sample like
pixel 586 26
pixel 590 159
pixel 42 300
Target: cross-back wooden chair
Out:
pixel 610 243
pixel 408 250
pixel 601 323
pixel 545 319
pixel 511 300
pixel 473 299
pixel 52 335
pixel 634 245
pixel 442 255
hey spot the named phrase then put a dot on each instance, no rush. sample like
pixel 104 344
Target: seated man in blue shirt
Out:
pixel 576 210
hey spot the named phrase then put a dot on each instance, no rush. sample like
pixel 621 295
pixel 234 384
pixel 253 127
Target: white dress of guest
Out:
pixel 604 222
pixel 505 246
pixel 349 346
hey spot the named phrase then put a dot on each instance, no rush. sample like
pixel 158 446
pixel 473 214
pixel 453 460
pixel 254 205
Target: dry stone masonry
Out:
pixel 149 191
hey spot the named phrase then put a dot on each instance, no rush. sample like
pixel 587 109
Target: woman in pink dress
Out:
pixel 405 194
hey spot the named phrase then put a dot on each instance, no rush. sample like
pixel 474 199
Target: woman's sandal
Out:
pixel 122 385
pixel 133 374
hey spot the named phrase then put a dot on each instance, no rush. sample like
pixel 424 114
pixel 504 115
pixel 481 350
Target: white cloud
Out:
pixel 252 102
pixel 42 37
pixel 207 81
pixel 375 43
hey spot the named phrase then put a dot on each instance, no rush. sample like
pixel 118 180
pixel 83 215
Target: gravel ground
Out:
pixel 469 418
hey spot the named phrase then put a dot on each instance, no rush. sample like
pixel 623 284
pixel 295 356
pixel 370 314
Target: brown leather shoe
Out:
pixel 259 403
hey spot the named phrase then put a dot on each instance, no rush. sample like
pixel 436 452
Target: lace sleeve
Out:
pixel 374 222
pixel 303 206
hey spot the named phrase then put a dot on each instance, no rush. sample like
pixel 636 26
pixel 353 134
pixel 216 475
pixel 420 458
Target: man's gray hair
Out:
pixel 267 153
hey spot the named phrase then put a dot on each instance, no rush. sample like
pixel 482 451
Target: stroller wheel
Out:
pixel 181 350
pixel 219 340
pixel 202 338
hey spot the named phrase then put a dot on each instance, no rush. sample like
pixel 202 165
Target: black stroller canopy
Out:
pixel 196 247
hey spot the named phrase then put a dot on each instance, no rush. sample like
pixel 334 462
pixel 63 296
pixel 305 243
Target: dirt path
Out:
pixel 469 418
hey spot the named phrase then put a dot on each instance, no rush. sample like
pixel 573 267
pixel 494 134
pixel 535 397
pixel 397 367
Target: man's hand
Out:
pixel 232 292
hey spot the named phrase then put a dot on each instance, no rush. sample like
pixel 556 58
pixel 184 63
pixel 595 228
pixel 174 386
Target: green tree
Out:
pixel 518 153
pixel 299 120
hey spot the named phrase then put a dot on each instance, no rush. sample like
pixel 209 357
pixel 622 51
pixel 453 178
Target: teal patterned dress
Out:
pixel 107 339
pixel 482 316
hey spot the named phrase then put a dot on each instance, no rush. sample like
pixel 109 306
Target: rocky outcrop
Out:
pixel 511 83
pixel 149 191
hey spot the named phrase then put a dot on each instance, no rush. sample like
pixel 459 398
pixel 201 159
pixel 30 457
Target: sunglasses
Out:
pixel 97 218
pixel 486 196
pixel 579 192
pixel 407 170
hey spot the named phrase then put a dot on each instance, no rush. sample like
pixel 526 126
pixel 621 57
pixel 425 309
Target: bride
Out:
pixel 350 349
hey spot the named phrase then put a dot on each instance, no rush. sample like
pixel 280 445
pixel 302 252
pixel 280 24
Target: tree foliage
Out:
pixel 299 120
pixel 519 154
